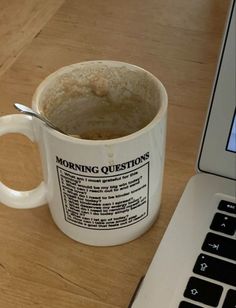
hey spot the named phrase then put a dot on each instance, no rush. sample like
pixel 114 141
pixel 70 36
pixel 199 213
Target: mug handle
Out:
pixel 22 124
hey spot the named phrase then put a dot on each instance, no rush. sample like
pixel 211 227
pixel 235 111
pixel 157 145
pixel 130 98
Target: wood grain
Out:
pixel 20 22
pixel 179 42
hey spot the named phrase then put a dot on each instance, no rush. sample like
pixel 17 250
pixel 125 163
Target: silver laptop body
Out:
pixel 195 264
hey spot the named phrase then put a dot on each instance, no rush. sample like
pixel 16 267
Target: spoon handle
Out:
pixel 27 110
pixel 24 109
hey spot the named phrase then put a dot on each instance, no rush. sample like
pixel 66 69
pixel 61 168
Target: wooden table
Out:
pixel 179 42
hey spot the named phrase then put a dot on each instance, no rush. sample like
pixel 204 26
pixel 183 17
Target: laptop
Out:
pixel 195 263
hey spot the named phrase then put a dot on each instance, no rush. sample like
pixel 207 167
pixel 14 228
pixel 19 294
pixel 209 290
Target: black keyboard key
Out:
pixel 224 223
pixel 230 300
pixel 203 291
pixel 226 206
pixel 216 269
pixel 187 305
pixel 220 245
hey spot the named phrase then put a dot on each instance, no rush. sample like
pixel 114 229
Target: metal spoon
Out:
pixel 29 111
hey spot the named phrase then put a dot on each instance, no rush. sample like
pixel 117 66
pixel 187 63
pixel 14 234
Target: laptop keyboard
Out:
pixel 219 245
pixel 209 293
pixel 223 223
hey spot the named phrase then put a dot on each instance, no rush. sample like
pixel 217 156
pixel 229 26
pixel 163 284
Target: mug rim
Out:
pixel 160 114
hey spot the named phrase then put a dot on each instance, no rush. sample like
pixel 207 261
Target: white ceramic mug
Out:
pixel 99 192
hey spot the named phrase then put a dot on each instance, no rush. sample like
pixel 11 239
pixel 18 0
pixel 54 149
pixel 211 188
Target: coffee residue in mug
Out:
pixel 97 118
pixel 102 103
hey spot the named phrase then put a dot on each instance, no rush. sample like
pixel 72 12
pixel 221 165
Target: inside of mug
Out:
pixel 100 100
